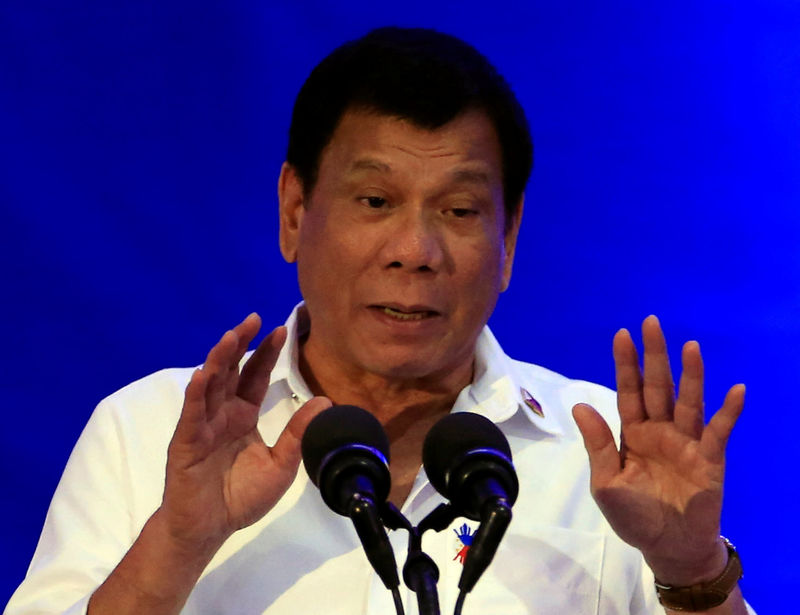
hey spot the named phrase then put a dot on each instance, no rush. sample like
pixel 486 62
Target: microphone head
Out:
pixel 344 443
pixel 463 448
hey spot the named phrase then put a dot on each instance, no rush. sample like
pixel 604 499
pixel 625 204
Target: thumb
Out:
pixel 600 446
pixel 286 451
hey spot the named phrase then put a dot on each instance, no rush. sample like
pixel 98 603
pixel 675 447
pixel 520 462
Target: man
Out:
pixel 400 202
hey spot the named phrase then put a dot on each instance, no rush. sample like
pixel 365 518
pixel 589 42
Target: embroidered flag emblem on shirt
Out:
pixel 465 535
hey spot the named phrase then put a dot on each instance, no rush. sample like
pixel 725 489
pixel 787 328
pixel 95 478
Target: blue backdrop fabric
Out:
pixel 140 144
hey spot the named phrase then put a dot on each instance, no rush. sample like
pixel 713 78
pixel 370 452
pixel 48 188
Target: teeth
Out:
pixel 403 315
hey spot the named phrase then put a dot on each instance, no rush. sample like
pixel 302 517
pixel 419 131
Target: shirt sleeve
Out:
pixel 89 525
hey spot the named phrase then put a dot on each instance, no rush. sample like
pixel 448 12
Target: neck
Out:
pixel 395 401
pixel 406 407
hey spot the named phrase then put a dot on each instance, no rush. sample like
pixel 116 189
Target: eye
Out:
pixel 375 202
pixel 463 212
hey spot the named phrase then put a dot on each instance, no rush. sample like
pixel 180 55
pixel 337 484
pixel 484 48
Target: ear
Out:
pixel 291 202
pixel 510 243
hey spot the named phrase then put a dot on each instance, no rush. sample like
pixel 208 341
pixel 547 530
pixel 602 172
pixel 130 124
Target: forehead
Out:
pixel 366 141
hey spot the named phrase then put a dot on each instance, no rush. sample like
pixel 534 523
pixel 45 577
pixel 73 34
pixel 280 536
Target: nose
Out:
pixel 415 244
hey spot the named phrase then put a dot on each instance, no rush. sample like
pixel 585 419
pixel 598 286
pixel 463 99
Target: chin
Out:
pixel 403 366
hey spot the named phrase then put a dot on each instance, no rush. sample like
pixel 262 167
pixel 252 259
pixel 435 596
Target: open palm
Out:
pixel 221 476
pixel 662 491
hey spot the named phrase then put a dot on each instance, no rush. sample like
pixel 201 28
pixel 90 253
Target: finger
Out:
pixel 604 459
pixel 192 427
pixel 246 331
pixel 254 380
pixel 286 451
pixel 658 388
pixel 630 402
pixel 217 368
pixel 193 412
pixel 689 406
pixel 719 428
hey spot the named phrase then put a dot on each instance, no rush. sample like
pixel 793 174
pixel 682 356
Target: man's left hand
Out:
pixel 662 492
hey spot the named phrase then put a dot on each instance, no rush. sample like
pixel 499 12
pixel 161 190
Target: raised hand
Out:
pixel 662 492
pixel 221 476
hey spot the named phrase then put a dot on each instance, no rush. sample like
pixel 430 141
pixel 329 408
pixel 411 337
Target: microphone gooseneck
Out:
pixel 346 455
pixel 468 460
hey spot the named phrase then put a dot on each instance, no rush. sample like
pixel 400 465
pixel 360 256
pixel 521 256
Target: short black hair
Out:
pixel 416 74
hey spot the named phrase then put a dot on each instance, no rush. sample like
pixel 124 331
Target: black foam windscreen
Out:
pixel 337 427
pixel 346 454
pixel 452 438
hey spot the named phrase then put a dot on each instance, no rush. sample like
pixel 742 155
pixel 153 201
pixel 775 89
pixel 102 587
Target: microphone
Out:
pixel 468 460
pixel 346 455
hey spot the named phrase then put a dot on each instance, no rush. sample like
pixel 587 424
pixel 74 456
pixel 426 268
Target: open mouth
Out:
pixel 406 315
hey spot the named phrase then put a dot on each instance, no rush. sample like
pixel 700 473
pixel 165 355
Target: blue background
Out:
pixel 140 144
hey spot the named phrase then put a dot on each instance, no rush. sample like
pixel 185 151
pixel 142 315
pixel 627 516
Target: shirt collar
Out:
pixel 498 389
pixel 500 385
pixel 287 367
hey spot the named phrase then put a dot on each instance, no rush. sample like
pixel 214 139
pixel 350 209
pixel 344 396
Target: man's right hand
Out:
pixel 220 476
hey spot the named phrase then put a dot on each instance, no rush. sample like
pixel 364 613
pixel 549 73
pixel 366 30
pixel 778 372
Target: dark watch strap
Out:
pixel 703 596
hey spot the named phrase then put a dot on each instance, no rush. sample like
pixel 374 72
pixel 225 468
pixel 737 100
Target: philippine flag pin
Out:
pixel 531 402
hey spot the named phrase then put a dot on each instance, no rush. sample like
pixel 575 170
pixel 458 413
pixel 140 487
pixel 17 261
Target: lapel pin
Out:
pixel 531 402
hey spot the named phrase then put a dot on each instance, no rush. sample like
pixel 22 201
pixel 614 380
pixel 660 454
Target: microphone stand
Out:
pixel 420 573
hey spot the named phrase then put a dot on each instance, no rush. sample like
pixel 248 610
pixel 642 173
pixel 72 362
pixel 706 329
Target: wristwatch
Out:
pixel 703 596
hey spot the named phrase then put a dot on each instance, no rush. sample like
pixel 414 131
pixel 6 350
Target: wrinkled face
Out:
pixel 400 247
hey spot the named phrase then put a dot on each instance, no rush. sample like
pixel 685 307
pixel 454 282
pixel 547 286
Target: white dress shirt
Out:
pixel 558 557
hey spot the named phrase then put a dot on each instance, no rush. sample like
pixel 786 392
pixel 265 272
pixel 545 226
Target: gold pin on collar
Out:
pixel 531 402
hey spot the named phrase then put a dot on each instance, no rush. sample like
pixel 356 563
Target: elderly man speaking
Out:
pixel 400 202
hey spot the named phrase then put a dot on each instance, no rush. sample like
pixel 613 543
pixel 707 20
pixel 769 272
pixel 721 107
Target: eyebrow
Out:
pixel 370 164
pixel 469 176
